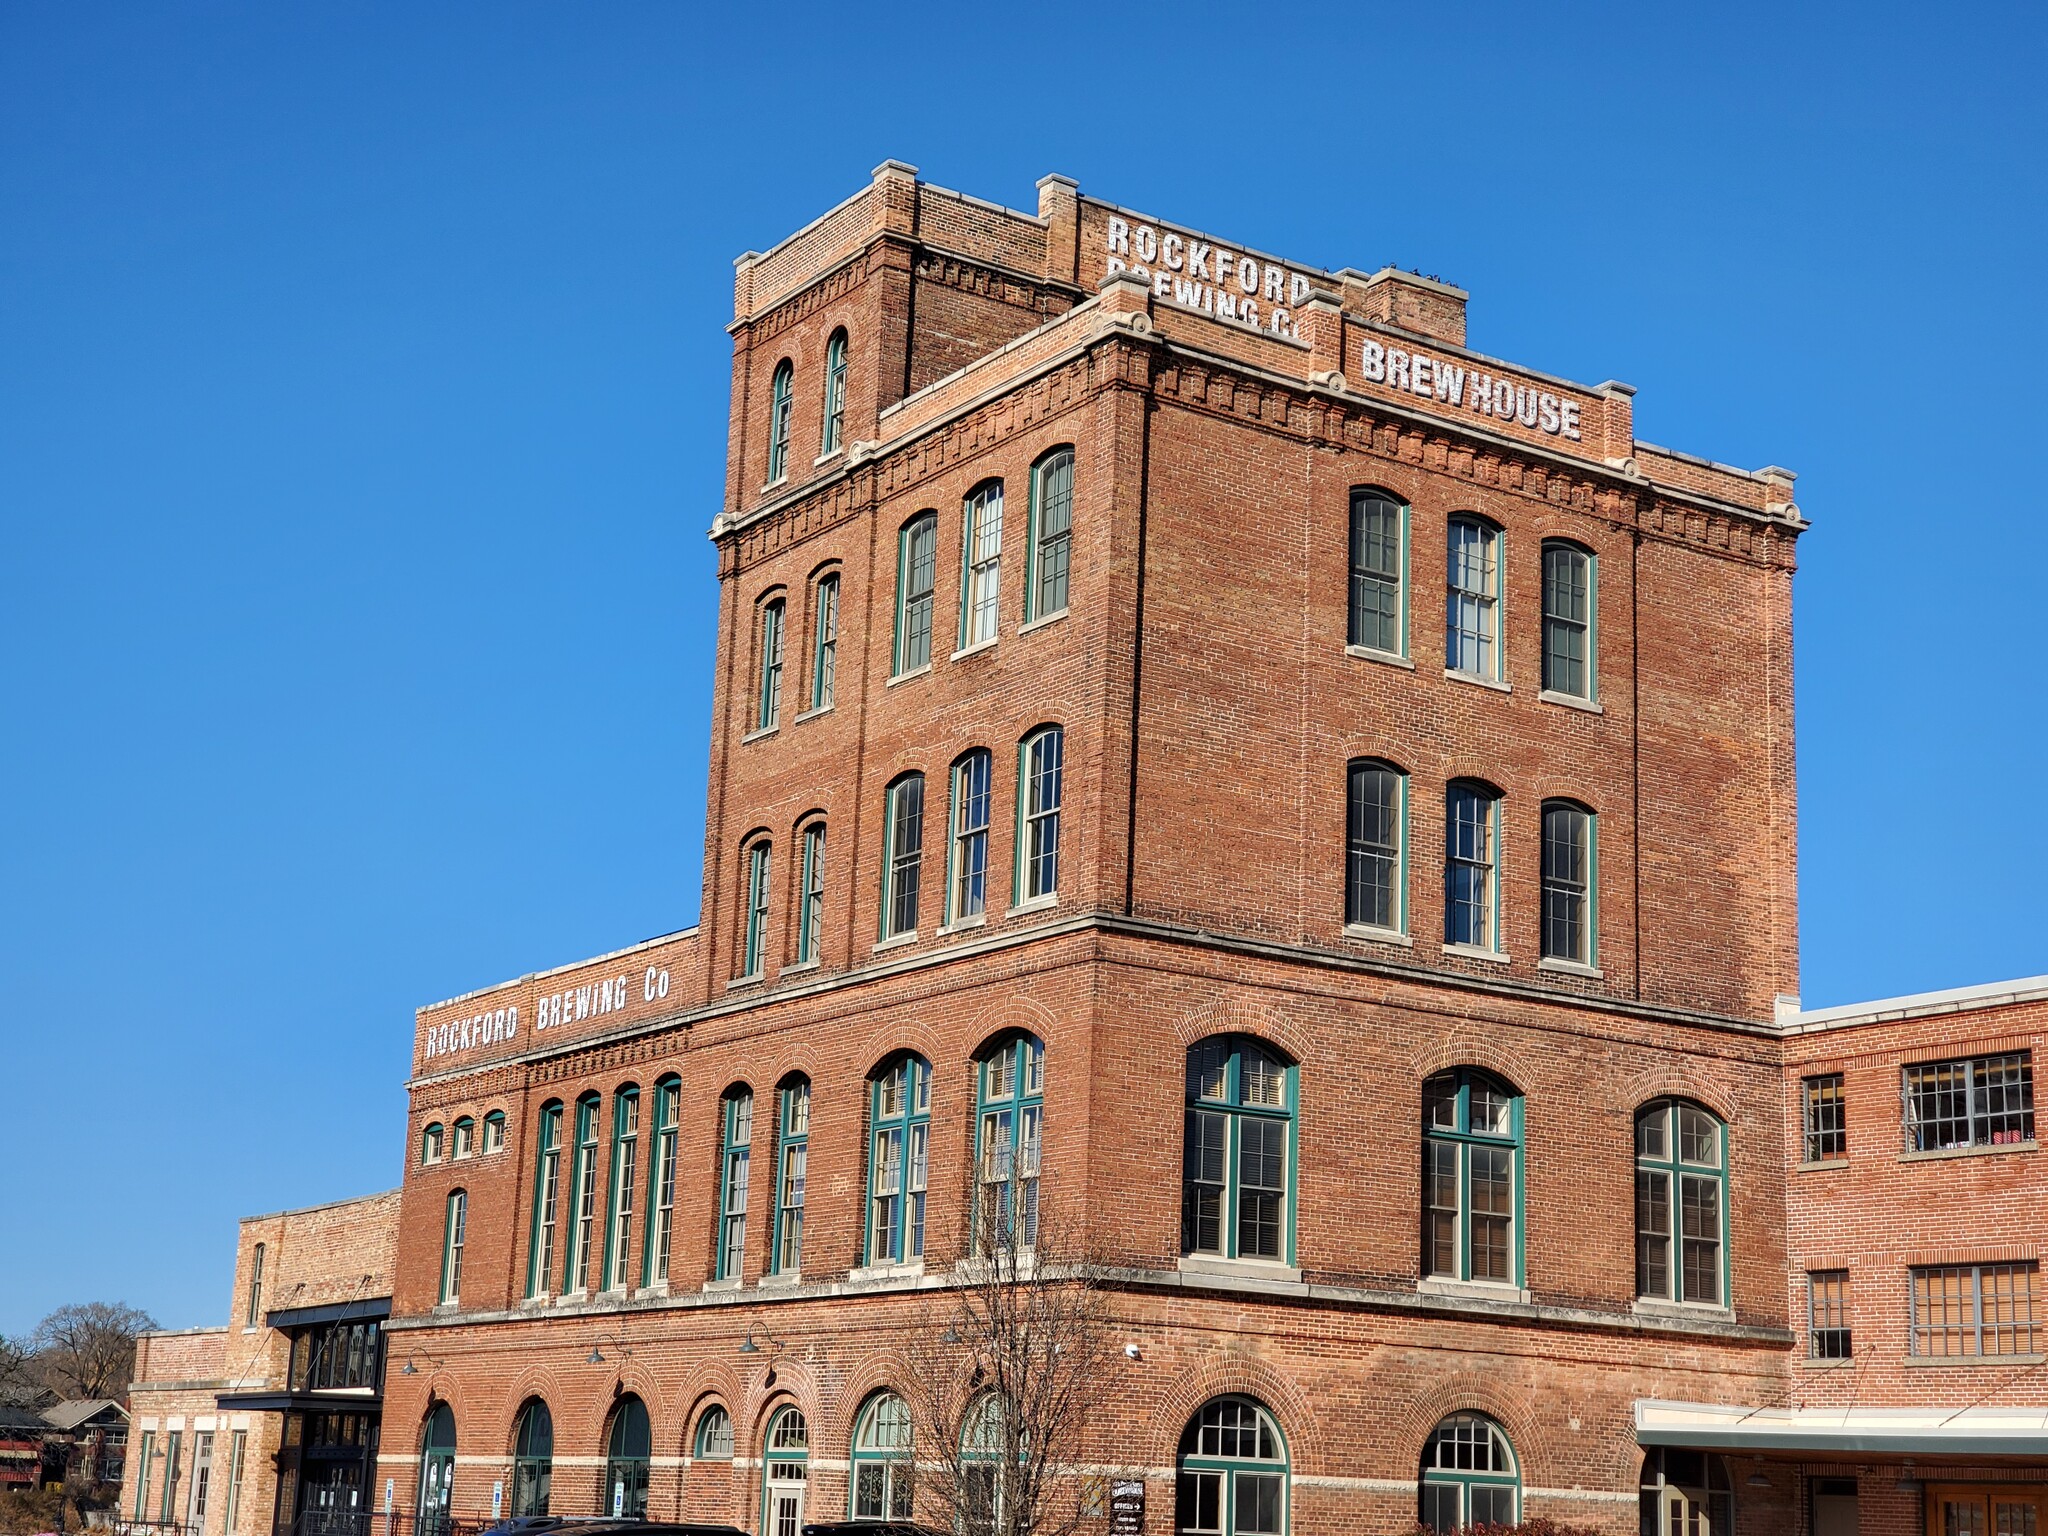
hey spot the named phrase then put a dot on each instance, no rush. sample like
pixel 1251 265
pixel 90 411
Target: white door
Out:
pixel 785 1509
pixel 1683 1516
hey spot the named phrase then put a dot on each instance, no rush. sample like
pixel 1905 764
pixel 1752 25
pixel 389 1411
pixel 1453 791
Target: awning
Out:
pixel 1947 1431
pixel 333 1312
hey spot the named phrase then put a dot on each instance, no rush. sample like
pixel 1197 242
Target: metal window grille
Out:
pixel 1974 1309
pixel 1055 532
pixel 1372 847
pixel 1567 883
pixel 1824 1112
pixel 1827 1314
pixel 1567 620
pixel 1375 572
pixel 1980 1101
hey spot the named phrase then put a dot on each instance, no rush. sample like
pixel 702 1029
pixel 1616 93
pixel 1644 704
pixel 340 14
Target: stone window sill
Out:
pixel 1041 621
pixel 1649 1306
pixel 980 919
pixel 800 967
pixel 1384 658
pixel 1942 1154
pixel 1826 1162
pixel 812 714
pixel 897 941
pixel 887 1271
pixel 1035 904
pixel 1918 1362
pixel 975 649
pixel 1571 701
pixel 724 1285
pixel 1240 1269
pixel 1378 935
pixel 740 983
pixel 1570 968
pixel 781 1279
pixel 1477 681
pixel 827 456
pixel 765 731
pixel 1479 1290
pixel 1474 952
pixel 904 677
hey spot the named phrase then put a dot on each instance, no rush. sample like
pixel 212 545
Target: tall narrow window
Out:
pixel 754 935
pixel 1568 621
pixel 463 1142
pixel 810 914
pixel 825 643
pixel 454 1230
pixel 437 1471
pixel 238 1454
pixel 902 854
pixel 1235 1176
pixel 881 1460
pixel 900 1117
pixel 547 1197
pixel 1824 1116
pixel 625 1182
pixel 768 709
pixel 1469 1476
pixel 583 1197
pixel 779 392
pixel 739 1136
pixel 1979 1101
pixel 1042 763
pixel 202 1478
pixel 169 1503
pixel 785 1479
pixel 1052 533
pixel 969 891
pixel 1010 1133
pixel 982 556
pixel 1570 892
pixel 1681 1204
pixel 661 1190
pixel 431 1142
pixel 1472 617
pixel 835 392
pixel 533 1460
pixel 1378 555
pixel 1232 1472
pixel 917 569
pixel 142 1471
pixel 1375 823
pixel 789 1181
pixel 253 1313
pixel 1471 1177
pixel 628 1452
pixel 1827 1314
pixel 1471 869
pixel 494 1132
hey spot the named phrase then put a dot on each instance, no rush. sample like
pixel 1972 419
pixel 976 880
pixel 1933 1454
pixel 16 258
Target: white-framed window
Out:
pixel 1378 618
pixel 981 590
pixel 1470 1477
pixel 917 569
pixel 824 641
pixel 754 932
pixel 625 1184
pixel 1472 614
pixel 768 706
pixel 1232 1472
pixel 780 391
pixel 835 392
pixel 454 1232
pixel 1681 1203
pixel 810 916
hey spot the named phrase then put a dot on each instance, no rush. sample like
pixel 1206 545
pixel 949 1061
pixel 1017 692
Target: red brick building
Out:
pixel 1199 746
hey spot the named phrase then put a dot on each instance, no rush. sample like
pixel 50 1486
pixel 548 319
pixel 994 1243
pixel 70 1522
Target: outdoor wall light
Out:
pixel 1132 1352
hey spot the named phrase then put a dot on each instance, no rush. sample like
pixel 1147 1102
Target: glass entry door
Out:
pixel 1953 1511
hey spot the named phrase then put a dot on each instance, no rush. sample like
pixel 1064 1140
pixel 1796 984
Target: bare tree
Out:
pixel 1004 1373
pixel 21 1381
pixel 87 1349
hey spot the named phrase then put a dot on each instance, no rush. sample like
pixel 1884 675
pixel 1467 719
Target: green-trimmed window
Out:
pixel 1378 618
pixel 1469 1476
pixel 167 1508
pixel 1681 1203
pixel 1471 1178
pixel 253 1313
pixel 793 1155
pixel 1375 846
pixel 824 641
pixel 1052 534
pixel 900 1112
pixel 628 1452
pixel 547 1200
pixel 968 889
pixel 917 571
pixel 1471 865
pixel 1232 1472
pixel 754 925
pixel 714 1435
pixel 987 1430
pixel 462 1143
pixel 810 912
pixel 1472 583
pixel 661 1186
pixel 881 1459
pixel 431 1141
pixel 768 703
pixel 780 390
pixel 1571 891
pixel 533 1459
pixel 1009 1134
pixel 494 1132
pixel 142 1470
pixel 1568 620
pixel 902 853
pixel 437 1472
pixel 732 1204
pixel 981 564
pixel 1240 1115
pixel 454 1230
pixel 835 392
pixel 1041 767
pixel 786 1477
pixel 618 1248
pixel 583 1197
pixel 238 1456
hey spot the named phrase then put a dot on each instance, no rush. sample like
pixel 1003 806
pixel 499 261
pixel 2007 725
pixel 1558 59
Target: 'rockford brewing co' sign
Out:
pixel 570 1005
pixel 1196 273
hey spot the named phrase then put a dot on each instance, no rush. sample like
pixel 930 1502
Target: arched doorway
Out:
pixel 533 1459
pixel 788 1457
pixel 627 1451
pixel 437 1469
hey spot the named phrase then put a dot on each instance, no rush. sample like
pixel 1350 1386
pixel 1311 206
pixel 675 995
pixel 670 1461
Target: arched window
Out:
pixel 1379 560
pixel 533 1459
pixel 1568 620
pixel 788 1455
pixel 1041 766
pixel 917 568
pixel 1469 1476
pixel 1571 889
pixel 618 1247
pixel 794 1120
pixel 252 1314
pixel 714 1434
pixel 1681 1205
pixel 430 1143
pixel 437 1469
pixel 454 1231
pixel 754 918
pixel 583 1197
pixel 900 1115
pixel 902 854
pixel 1232 1472
pixel 1471 1178
pixel 1472 615
pixel 1010 1127
pixel 824 641
pixel 463 1143
pixel 981 519
pixel 810 912
pixel 739 1136
pixel 1471 866
pixel 1687 1493
pixel 881 1459
pixel 628 1450
pixel 779 391
pixel 1235 1193
pixel 494 1132
pixel 967 890
pixel 547 1198
pixel 985 1491
pixel 1052 531
pixel 1375 838
pixel 768 702
pixel 661 1186
pixel 835 392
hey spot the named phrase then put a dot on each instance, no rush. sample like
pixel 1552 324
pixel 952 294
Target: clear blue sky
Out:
pixel 362 408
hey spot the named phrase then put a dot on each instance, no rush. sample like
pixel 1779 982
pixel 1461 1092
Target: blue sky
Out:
pixel 362 402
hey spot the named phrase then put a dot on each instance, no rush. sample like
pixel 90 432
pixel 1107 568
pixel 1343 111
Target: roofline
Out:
pixel 324 1205
pixel 1915 1005
pixel 556 970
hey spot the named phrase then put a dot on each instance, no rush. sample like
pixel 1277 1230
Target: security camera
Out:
pixel 1131 1352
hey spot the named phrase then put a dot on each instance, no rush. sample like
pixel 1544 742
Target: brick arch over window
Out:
pixel 713 1382
pixel 1241 1016
pixel 752 1414
pixel 885 1371
pixel 1242 1376
pixel 1464 1046
pixel 536 1381
pixel 442 1386
pixel 1671 1079
pixel 1009 1016
pixel 1534 1454
pixel 789 1062
pixel 889 1041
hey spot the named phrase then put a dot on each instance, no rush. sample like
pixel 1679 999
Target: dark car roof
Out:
pixel 870 1528
pixel 600 1526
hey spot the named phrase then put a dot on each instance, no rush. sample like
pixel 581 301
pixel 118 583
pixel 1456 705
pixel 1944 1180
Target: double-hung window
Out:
pixel 824 642
pixel 917 569
pixel 898 1163
pixel 583 1195
pixel 1568 627
pixel 1052 531
pixel 625 1183
pixel 739 1136
pixel 835 393
pixel 661 1186
pixel 1231 1472
pixel 1681 1203
pixel 794 1153
pixel 1472 615
pixel 1472 1178
pixel 968 893
pixel 1042 762
pixel 454 1231
pixel 1965 1310
pixel 1823 1113
pixel 547 1198
pixel 768 708
pixel 1570 893
pixel 902 854
pixel 810 914
pixel 1471 866
pixel 1235 1174
pixel 1010 1132
pixel 1827 1314
pixel 1979 1101
pixel 754 935
pixel 1378 613
pixel 1375 824
pixel 982 555
pixel 779 393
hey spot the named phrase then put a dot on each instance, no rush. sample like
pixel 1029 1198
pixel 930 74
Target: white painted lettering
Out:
pixel 1372 362
pixel 1525 405
pixel 1161 282
pixel 1226 303
pixel 1198 259
pixel 1420 381
pixel 1450 383
pixel 1190 294
pixel 1546 415
pixel 1119 239
pixel 1224 262
pixel 1297 289
pixel 1397 368
pixel 1147 243
pixel 1276 284
pixel 1571 419
pixel 1248 275
pixel 1169 252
